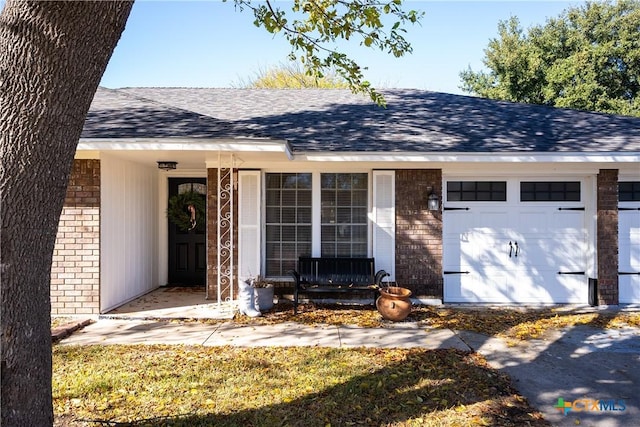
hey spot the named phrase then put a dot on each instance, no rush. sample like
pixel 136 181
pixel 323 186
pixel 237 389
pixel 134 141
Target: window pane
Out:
pixel 328 233
pixel 289 198
pixel 344 215
pixel 343 181
pixel 359 215
pixel 304 197
pixel 328 180
pixel 273 213
pixel 273 233
pixel 328 215
pixel 274 180
pixel 476 191
pixel 629 191
pixel 344 227
pixel 343 233
pixel 545 191
pixel 289 215
pixel 304 215
pixel 359 250
pixel 289 180
pixel 288 221
pixel 273 198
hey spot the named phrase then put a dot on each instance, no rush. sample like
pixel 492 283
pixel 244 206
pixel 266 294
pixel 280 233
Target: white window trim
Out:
pixel 316 226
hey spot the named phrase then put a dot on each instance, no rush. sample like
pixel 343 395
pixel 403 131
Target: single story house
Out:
pixel 460 199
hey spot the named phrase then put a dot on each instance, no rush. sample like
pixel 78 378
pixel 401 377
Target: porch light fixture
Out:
pixel 433 202
pixel 167 166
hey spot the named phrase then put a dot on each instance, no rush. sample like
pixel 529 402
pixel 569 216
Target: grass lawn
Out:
pixel 213 386
pixel 209 386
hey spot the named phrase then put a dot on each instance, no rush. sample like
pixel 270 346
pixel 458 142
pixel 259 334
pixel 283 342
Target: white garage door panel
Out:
pixel 557 253
pixel 514 253
pixel 488 285
pixel 629 256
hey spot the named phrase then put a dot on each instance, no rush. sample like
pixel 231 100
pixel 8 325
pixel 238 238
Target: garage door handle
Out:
pixel 455 272
pixel 571 272
pixel 455 209
pixel 629 273
pixel 570 209
pixel 629 209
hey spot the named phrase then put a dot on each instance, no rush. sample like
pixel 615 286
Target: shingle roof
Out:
pixel 338 121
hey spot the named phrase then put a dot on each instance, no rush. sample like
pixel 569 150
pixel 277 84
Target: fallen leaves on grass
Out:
pixel 522 324
pixel 516 323
pixel 191 386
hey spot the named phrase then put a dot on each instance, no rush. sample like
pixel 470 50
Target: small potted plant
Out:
pixel 263 290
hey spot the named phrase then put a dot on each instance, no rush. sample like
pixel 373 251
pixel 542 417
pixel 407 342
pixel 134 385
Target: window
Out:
pixel 343 214
pixel 629 191
pixel 550 191
pixel 476 191
pixel 288 221
pixel 343 208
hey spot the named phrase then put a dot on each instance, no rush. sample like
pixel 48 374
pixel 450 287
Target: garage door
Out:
pixel 629 242
pixel 526 244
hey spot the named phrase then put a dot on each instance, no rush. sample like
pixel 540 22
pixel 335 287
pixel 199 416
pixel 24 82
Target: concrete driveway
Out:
pixel 595 372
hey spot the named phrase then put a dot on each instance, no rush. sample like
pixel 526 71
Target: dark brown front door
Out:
pixel 187 248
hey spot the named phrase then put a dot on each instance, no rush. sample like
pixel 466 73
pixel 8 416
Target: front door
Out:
pixel 187 244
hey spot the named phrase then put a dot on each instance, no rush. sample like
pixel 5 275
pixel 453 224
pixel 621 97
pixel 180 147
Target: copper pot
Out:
pixel 394 303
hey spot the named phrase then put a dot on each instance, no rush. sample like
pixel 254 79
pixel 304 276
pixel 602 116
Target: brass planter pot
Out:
pixel 394 303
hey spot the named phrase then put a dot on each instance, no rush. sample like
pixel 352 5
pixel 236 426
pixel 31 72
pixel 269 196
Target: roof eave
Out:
pixel 476 157
pixel 186 144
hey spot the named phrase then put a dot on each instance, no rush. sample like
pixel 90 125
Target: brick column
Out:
pixel 213 216
pixel 607 236
pixel 418 233
pixel 75 269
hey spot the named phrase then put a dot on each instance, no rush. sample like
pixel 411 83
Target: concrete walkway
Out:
pixel 571 364
pixel 118 331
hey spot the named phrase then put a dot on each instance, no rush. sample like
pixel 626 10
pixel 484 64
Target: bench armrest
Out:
pixel 381 274
pixel 295 275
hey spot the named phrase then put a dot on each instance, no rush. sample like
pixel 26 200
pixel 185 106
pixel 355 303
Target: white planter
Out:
pixel 264 298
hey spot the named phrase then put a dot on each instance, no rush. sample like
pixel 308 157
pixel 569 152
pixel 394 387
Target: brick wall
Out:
pixel 418 233
pixel 75 271
pixel 607 236
pixel 212 237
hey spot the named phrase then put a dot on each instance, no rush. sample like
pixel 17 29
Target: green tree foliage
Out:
pixel 588 58
pixel 312 28
pixel 293 76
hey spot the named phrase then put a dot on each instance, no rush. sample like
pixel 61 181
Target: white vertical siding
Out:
pixel 384 221
pixel 128 254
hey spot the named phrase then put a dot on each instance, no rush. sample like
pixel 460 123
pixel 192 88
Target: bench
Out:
pixel 335 275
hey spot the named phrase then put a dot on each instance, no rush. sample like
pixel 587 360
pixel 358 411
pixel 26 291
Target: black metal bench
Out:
pixel 335 275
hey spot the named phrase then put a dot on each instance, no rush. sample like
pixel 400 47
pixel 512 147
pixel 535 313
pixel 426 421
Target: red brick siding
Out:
pixel 418 233
pixel 607 236
pixel 212 237
pixel 75 271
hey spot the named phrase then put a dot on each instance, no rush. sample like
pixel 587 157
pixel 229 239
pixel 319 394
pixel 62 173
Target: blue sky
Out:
pixel 211 44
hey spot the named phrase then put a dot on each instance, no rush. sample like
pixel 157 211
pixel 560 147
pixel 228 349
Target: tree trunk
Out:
pixel 52 56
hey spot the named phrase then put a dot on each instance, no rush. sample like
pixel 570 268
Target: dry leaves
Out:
pixel 516 323
pixel 191 386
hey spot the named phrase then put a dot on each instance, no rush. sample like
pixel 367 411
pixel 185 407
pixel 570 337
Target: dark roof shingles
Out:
pixel 336 120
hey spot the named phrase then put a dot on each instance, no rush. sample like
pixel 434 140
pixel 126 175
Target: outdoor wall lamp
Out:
pixel 433 201
pixel 167 166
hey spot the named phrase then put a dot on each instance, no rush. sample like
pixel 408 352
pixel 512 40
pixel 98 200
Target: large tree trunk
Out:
pixel 52 56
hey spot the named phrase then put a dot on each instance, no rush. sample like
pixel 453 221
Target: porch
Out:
pixel 174 303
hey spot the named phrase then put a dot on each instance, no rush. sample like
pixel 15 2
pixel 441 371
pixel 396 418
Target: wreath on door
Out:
pixel 188 211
